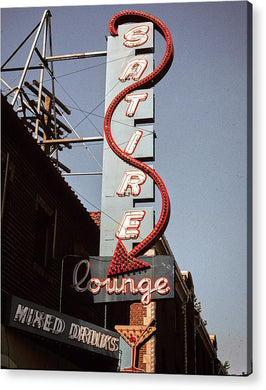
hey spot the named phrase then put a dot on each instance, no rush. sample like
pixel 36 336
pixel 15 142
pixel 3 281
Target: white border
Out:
pixel 43 379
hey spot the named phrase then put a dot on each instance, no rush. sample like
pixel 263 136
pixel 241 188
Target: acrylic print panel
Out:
pixel 156 118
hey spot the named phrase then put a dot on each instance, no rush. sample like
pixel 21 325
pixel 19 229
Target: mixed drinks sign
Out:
pixel 39 320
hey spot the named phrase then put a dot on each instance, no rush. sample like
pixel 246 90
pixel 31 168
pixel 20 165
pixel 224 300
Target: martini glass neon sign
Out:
pixel 134 335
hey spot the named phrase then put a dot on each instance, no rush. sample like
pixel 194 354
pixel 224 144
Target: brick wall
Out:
pixel 144 315
pixel 32 181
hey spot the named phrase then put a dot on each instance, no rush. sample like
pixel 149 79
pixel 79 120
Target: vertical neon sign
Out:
pixel 130 98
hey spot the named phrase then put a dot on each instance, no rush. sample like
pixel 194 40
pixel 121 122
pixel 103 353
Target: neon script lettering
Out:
pixel 144 286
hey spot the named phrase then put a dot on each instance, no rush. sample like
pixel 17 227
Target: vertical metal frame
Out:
pixel 41 77
pixel 45 16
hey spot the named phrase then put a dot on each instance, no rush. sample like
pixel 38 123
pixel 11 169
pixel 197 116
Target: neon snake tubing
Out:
pixel 153 77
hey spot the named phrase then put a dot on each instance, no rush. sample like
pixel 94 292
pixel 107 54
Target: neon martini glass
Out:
pixel 134 335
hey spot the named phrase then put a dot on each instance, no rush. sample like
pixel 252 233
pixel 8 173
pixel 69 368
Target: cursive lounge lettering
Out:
pixel 144 286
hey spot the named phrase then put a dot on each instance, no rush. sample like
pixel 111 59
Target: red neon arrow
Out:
pixel 124 261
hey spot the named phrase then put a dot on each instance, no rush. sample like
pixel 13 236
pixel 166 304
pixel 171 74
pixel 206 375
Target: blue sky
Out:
pixel 201 146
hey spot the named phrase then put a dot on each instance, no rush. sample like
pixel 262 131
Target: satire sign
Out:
pixel 122 183
pixel 128 231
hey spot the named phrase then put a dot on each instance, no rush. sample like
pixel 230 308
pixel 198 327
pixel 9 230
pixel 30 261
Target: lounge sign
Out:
pixel 41 321
pixel 85 280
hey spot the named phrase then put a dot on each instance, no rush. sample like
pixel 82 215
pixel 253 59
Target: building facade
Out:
pixel 44 226
pixel 181 343
pixel 43 223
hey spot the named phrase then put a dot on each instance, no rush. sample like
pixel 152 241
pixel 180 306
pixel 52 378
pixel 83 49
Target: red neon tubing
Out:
pixel 149 80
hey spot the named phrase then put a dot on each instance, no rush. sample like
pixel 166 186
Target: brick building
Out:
pixel 44 225
pixel 181 343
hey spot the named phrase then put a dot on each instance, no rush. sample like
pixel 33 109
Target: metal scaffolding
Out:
pixel 41 115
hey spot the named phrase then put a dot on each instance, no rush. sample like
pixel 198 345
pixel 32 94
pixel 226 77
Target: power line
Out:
pixel 92 111
pixel 98 105
pixel 93 67
pixel 79 107
pixel 99 209
pixel 84 144
pixel 113 120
